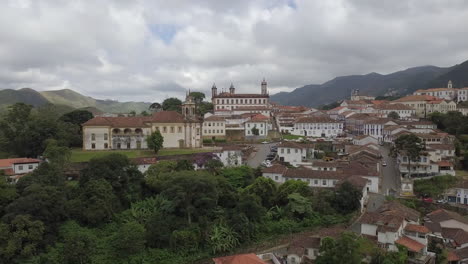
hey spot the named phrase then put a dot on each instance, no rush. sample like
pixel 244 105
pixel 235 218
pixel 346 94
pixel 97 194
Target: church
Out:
pixel 179 130
pixel 232 103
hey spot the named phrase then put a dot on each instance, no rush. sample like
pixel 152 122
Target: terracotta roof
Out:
pixel 251 107
pixel 396 208
pixel 328 164
pixel 441 146
pixel 463 184
pixel 299 244
pixel 435 90
pixel 215 118
pixel 462 253
pixel 441 215
pixel 452 256
pixel 411 98
pixel 356 181
pixel 410 244
pixel 6 163
pixel 258 118
pixel 359 137
pixel 458 235
pixel 379 121
pixel 316 119
pixel 384 222
pixel 276 169
pixel 444 163
pixel 417 228
pixel 230 95
pixel 239 259
pixel 167 117
pixel 433 227
pixel 120 121
pixel 144 160
pixel 393 107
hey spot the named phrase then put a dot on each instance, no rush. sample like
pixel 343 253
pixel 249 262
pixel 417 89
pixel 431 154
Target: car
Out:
pixel 270 158
pixel 271 155
pixel 384 163
pixel 441 201
pixel 267 163
pixel 427 199
pixel 274 150
pixel 265 142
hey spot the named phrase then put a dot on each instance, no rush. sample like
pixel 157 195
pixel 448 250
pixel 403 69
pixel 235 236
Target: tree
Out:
pixel 204 107
pixel 79 243
pixel 57 155
pixel 263 188
pixel 20 239
pixel 77 117
pixel 172 104
pixel 198 97
pixel 144 113
pixel 132 113
pixel 394 115
pixel 155 107
pixel 290 187
pixel 186 239
pixel 155 141
pixel 411 146
pixel 255 131
pixel 347 198
pixel 7 194
pixel 346 247
pixel 129 239
pixel 222 238
pixel 238 177
pixel 299 206
pixel 184 165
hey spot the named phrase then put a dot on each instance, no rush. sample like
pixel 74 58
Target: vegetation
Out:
pixel 329 106
pixel 435 186
pixel 155 141
pixel 394 115
pixel 411 146
pixel 172 104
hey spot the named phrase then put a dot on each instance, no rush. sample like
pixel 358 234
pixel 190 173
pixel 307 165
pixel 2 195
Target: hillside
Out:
pixel 401 82
pixel 458 75
pixel 69 98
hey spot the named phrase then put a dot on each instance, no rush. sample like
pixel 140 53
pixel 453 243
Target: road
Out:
pixel 260 155
pixel 390 174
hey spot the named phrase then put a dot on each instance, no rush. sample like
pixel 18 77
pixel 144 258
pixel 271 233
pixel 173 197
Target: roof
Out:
pixel 313 174
pixel 385 223
pixel 289 144
pixel 444 163
pixel 441 146
pixel 452 256
pixel 6 163
pixel 458 235
pixel 393 107
pixel 462 253
pixel 167 117
pixel 299 245
pixel 356 181
pixel 442 215
pixel 396 208
pixel 417 228
pixel 251 107
pixel 433 227
pixel 463 184
pixel 136 121
pixel 239 259
pixel 379 121
pixel 322 163
pixel 258 117
pixel 144 160
pixel 435 90
pixel 410 244
pixel 412 98
pixel 234 95
pixel 276 169
pixel 215 118
pixel 316 119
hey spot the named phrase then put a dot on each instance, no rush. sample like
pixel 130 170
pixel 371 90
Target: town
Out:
pixel 375 173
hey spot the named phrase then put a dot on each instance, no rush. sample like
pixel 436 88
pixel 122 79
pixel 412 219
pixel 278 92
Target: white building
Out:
pixel 231 101
pixel 448 93
pixel 403 111
pixel 375 127
pixel 296 154
pixel 214 127
pixel 143 163
pixel 462 94
pixel 17 167
pixel 230 156
pixel 257 122
pixel 179 130
pixel 317 126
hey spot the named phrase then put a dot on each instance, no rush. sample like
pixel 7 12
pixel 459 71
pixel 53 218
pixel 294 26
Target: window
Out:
pixel 316 182
pixel 276 178
pixel 179 129
pixel 20 167
pixel 172 129
pixel 30 167
pixel 119 146
pixel 128 145
pixel 282 150
pixel 105 136
pixel 289 151
pixel 93 136
pixel 93 146
pixel 164 129
pixel 324 182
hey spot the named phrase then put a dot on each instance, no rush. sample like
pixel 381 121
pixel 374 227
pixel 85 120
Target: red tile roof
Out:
pixel 276 169
pixel 144 160
pixel 410 244
pixel 6 163
pixel 230 95
pixel 316 119
pixel 411 98
pixel 258 118
pixel 239 259
pixel 137 121
pixel 417 228
pixel 442 215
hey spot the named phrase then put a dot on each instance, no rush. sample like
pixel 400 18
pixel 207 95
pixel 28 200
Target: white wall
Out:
pixel 24 168
pixel 292 155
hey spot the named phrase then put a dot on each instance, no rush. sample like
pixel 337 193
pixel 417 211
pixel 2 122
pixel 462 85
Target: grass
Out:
pixel 462 173
pixel 435 186
pixel 290 137
pixel 79 155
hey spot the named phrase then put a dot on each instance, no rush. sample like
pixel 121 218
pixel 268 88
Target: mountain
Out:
pixel 458 75
pixel 67 97
pixel 401 82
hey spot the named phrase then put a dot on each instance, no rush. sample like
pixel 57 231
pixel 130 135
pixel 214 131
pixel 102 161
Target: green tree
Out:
pixel 204 107
pixel 347 198
pixel 132 113
pixel 290 187
pixel 130 239
pixel 411 146
pixel 155 107
pixel 57 155
pixel 346 247
pixel 79 244
pixel 238 177
pixel 265 189
pixel 184 165
pixel 222 238
pixel 198 97
pixel 172 104
pixel 155 141
pixel 299 206
pixel 185 240
pixel 144 113
pixel 394 115
pixel 255 131
pixel 77 117
pixel 21 239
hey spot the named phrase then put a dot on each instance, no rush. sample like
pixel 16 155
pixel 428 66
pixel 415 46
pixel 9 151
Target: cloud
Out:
pixel 150 50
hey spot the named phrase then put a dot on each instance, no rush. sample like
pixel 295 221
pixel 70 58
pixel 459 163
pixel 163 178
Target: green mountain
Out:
pixel 458 75
pixel 67 97
pixel 397 83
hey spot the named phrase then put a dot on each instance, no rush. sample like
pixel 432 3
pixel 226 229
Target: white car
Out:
pixel 267 163
pixel 265 142
pixel 384 163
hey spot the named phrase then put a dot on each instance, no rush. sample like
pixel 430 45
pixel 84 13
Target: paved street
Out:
pixel 390 175
pixel 258 157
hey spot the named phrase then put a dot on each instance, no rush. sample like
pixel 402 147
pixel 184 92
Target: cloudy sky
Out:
pixel 150 50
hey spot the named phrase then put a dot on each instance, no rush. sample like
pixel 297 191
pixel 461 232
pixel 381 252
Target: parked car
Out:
pixel 384 163
pixel 267 163
pixel 265 142
pixel 426 198
pixel 441 201
pixel 270 158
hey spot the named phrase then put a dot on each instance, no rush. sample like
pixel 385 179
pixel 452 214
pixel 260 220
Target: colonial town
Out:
pixel 233 132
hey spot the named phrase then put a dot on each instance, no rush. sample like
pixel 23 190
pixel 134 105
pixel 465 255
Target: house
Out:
pixel 214 127
pixel 403 111
pixel 439 152
pixel 441 106
pixel 179 130
pixel 447 219
pixel 417 102
pixel 260 123
pixel 143 163
pixel 387 225
pixel 230 155
pixel 239 259
pixel 459 256
pixel 296 153
pixel 364 140
pixel 234 101
pixel 17 167
pixel 317 126
pixel 374 127
pixel 448 93
pixel 303 249
pixel 458 194
pixel 462 94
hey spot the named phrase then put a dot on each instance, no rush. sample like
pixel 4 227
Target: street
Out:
pixel 260 155
pixel 390 175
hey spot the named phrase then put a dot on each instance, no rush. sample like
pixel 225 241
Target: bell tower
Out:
pixel 264 87
pixel 214 90
pixel 449 84
pixel 189 106
pixel 232 90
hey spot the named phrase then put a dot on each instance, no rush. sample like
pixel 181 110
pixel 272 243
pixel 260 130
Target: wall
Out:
pixel 26 167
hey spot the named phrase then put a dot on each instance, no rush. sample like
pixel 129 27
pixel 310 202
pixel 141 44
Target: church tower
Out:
pixel 189 106
pixel 214 90
pixel 232 90
pixel 449 85
pixel 264 87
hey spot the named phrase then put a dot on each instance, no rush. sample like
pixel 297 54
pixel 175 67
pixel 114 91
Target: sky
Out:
pixel 151 50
